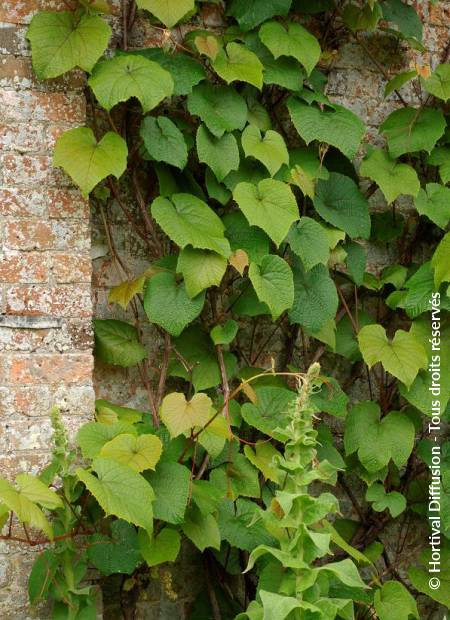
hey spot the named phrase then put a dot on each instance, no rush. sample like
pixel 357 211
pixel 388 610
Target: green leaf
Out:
pixel 236 477
pixel 94 435
pixel 201 269
pixel 355 261
pixel 440 156
pixel 197 348
pixel 263 459
pixel 221 108
pixel 169 12
pixel 224 334
pixel 41 576
pixel 404 17
pixel 139 453
pixel 410 130
pixel 187 220
pixel 36 491
pixel 181 416
pixel 394 501
pixel 394 600
pixel 202 530
pixel 340 202
pixel 309 240
pixel 251 13
pixel 237 62
pixel 377 441
pixel 242 236
pixel 330 398
pixel 87 161
pixel 402 357
pixel 270 150
pixel 273 283
pixel 170 483
pixel 186 72
pixel 164 547
pixel 109 413
pixel 220 154
pixel 283 71
pixel 271 205
pixel 315 297
pixel 270 410
pixel 420 577
pixel 24 507
pixel 345 571
pixel 392 177
pixel 116 343
pixel 118 554
pixel 238 527
pixel 296 41
pixel 128 75
pixel 213 438
pixel 120 491
pixel 216 191
pixel 163 141
pixel 434 202
pixel 441 261
pixel 438 84
pixel 64 40
pixel 398 81
pixel 337 126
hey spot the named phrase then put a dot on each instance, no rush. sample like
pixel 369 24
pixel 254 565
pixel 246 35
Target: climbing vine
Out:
pixel 250 189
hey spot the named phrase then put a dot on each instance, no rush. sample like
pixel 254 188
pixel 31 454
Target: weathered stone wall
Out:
pixel 45 267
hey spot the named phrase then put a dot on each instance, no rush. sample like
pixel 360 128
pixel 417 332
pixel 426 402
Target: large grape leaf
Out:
pixel 393 178
pixel 170 483
pixel 376 440
pixel 94 435
pixel 162 548
pixel 120 491
pixel 309 240
pixel 242 236
pixel 296 41
pixel 129 75
pixel 270 410
pixel 25 507
pixel 168 304
pixel 118 553
pixel 87 161
pixel 220 154
pixel 201 269
pixel 315 297
pixel 187 220
pixel 186 72
pixel 339 201
pixel 64 40
pixel 238 524
pixel 139 453
pixel 237 63
pixel 404 17
pixel 393 599
pixel 337 126
pixel 434 202
pixel 251 13
pixel 273 283
pixel 409 130
pixel 440 156
pixel 403 356
pixel 163 141
pixel 201 529
pixel 441 261
pixel 220 108
pixel 438 84
pixel 271 205
pixel 181 416
pixel 284 71
pixel 116 342
pixel 270 150
pixel 169 12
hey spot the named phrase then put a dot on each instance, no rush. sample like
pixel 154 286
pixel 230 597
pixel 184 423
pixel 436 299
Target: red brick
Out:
pixel 23 202
pixel 26 267
pixel 36 105
pixel 37 300
pixel 29 235
pixel 23 137
pixel 70 268
pixel 38 369
pixel 26 169
pixel 67 203
pixel 21 11
pixel 18 72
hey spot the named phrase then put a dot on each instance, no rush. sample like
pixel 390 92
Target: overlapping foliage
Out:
pixel 254 214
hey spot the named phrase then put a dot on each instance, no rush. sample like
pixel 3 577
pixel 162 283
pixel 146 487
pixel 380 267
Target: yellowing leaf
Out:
pixel 208 45
pixel 139 453
pixel 123 293
pixel 181 416
pixel 239 260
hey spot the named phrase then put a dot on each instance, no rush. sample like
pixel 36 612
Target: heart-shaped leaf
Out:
pixel 438 84
pixel 118 553
pixel 410 130
pixel 220 154
pixel 393 178
pixel 163 141
pixel 271 205
pixel 201 269
pixel 315 297
pixel 130 75
pixel 269 150
pixel 87 161
pixel 251 13
pixel 139 453
pixel 169 12
pixel 441 261
pixel 393 600
pixel 273 283
pixel 434 202
pixel 116 342
pixel 220 108
pixel 167 303
pixel 164 547
pixel 309 240
pixel 181 416
pixel 64 40
pixel 237 62
pixel 403 356
pixel 296 41
pixel 224 334
pixel 394 501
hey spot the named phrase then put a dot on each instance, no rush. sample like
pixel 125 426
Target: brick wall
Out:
pixel 45 273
